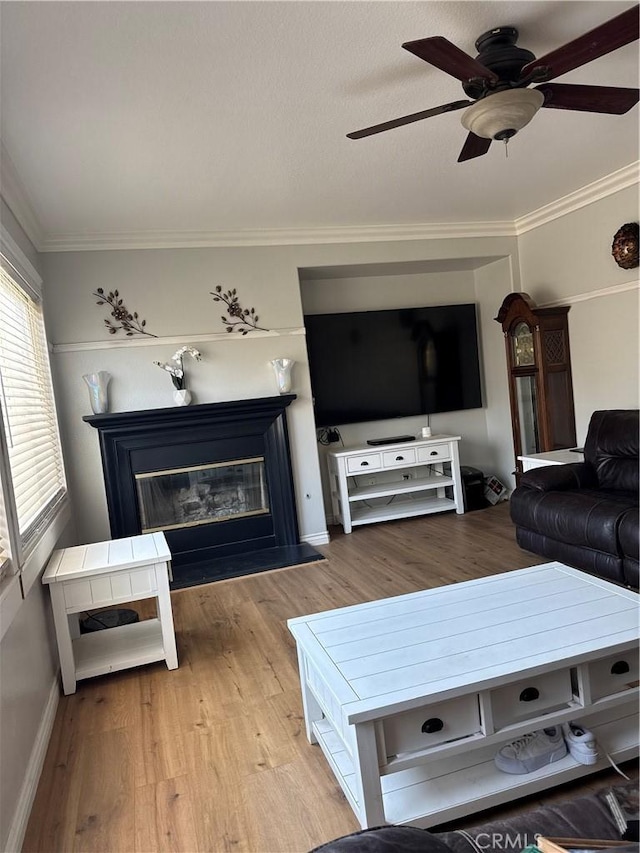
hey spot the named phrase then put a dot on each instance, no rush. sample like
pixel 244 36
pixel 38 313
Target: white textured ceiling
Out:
pixel 177 117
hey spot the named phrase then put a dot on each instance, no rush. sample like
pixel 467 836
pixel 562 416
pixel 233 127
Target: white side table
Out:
pixel 551 457
pixel 100 575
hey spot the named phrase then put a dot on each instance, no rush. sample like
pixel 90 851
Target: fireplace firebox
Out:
pixel 202 494
pixel 215 478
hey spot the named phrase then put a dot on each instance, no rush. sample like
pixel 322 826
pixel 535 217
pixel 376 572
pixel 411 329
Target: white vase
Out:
pixel 181 397
pixel 282 369
pixel 98 384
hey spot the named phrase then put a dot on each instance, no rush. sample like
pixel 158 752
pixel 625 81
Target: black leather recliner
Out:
pixel 585 514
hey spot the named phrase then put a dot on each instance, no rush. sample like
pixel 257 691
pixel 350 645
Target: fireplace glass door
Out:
pixel 202 494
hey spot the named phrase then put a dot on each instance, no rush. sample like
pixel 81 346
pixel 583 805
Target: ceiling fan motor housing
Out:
pixel 498 52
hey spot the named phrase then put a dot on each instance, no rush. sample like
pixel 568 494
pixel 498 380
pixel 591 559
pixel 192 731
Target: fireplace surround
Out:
pixel 215 478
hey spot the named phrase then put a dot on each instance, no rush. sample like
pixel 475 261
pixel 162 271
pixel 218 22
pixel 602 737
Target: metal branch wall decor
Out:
pixel 239 319
pixel 243 320
pixel 130 323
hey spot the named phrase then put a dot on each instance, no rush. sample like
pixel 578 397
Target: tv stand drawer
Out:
pixel 434 453
pixel 364 462
pixel 398 458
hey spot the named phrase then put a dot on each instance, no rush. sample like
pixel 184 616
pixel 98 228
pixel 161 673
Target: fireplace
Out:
pixel 215 478
pixel 202 494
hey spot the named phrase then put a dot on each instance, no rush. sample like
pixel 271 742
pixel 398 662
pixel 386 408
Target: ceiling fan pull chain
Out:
pixel 506 148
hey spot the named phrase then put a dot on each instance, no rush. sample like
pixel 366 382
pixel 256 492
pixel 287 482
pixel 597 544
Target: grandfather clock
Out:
pixel 539 365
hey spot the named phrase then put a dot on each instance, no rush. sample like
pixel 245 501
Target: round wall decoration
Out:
pixel 625 246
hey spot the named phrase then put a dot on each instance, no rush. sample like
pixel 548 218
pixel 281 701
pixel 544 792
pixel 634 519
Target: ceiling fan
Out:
pixel 497 81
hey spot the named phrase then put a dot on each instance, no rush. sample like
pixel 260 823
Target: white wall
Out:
pixel 569 261
pixel 28 697
pixel 376 293
pixel 397 290
pixel 564 260
pixel 28 675
pixel 490 291
pixel 171 290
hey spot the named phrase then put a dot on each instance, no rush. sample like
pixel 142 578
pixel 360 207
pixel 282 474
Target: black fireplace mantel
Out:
pixel 152 440
pixel 204 412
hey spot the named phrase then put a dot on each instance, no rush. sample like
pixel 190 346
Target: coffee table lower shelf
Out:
pixel 446 789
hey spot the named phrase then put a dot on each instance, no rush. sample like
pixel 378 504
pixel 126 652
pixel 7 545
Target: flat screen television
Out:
pixel 374 365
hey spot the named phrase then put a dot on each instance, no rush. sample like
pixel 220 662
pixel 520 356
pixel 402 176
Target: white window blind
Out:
pixel 5 552
pixel 36 471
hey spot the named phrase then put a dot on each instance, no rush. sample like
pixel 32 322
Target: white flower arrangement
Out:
pixel 176 370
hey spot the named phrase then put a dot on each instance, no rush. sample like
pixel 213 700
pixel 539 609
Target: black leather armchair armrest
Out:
pixel 575 475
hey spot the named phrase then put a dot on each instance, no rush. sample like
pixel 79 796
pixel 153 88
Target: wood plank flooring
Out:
pixel 212 756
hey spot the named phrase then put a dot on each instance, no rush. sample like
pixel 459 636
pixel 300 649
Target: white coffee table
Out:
pixel 410 697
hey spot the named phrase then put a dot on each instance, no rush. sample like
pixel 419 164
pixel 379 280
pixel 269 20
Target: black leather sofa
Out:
pixel 585 514
pixel 581 817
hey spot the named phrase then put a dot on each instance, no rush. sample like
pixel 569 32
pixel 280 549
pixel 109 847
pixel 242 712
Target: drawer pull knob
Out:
pixel 619 667
pixel 432 725
pixel 399 458
pixel 364 464
pixel 433 453
pixel 529 694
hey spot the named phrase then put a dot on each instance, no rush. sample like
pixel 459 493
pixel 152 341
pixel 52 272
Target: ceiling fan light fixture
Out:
pixel 502 114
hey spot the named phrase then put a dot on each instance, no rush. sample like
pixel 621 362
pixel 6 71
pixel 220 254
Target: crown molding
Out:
pixel 17 199
pixel 621 179
pixel 612 290
pixel 276 236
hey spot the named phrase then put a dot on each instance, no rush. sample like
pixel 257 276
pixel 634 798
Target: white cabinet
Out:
pixel 370 484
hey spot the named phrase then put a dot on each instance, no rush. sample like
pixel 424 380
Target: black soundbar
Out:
pixel 392 439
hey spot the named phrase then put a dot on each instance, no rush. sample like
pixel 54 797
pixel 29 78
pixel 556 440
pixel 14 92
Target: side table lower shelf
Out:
pixel 118 648
pixel 446 789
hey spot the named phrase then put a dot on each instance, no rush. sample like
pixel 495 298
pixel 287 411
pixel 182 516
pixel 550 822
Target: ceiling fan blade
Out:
pixel 398 122
pixel 609 36
pixel 474 146
pixel 592 99
pixel 442 53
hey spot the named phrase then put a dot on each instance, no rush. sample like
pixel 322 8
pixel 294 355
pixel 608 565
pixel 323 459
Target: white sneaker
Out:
pixel 532 751
pixel 581 742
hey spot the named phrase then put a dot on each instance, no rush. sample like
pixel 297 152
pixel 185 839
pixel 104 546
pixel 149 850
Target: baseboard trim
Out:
pixel 34 768
pixel 316 538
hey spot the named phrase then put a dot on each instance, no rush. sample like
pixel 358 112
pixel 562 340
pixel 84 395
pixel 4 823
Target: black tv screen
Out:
pixel 374 365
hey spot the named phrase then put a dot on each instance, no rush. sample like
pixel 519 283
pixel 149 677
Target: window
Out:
pixel 31 467
pixel 5 548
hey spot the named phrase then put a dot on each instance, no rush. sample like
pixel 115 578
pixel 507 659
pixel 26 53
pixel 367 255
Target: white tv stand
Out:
pixel 370 484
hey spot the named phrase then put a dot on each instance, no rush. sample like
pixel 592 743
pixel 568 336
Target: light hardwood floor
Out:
pixel 212 756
